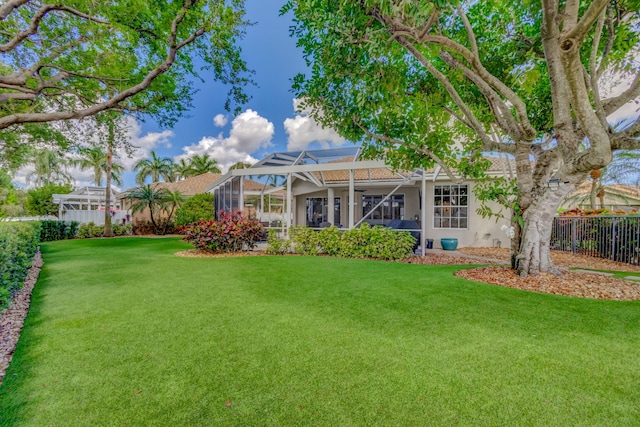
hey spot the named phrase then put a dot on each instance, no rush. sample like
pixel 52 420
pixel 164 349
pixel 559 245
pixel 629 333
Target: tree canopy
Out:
pixel 441 82
pixel 77 59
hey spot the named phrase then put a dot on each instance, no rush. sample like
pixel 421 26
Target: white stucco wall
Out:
pixel 480 232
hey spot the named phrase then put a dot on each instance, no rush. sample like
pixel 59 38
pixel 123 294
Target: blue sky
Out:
pixel 267 122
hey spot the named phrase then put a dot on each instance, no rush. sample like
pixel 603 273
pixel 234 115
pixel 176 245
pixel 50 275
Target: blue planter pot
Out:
pixel 449 244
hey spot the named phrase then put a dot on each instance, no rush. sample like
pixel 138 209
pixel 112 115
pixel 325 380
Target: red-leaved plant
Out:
pixel 231 232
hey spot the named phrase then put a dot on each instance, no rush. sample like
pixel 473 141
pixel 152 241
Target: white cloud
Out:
pixel 141 146
pixel 249 133
pixel 220 120
pixel 304 130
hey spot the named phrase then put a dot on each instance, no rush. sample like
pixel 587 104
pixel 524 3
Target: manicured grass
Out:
pixel 123 333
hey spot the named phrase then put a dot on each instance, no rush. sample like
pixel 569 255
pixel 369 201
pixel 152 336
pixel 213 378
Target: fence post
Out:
pixel 574 236
pixel 614 229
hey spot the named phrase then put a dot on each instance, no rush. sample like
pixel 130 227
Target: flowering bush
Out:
pixel 232 232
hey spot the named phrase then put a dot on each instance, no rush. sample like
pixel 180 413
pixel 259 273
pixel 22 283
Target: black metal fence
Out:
pixel 613 237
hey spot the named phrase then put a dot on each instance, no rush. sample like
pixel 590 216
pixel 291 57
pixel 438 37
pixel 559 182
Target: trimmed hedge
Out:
pixel 89 230
pixel 18 245
pixel 362 242
pixel 52 230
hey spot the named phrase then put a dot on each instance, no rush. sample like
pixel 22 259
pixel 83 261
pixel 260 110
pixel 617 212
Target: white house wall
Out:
pixel 480 232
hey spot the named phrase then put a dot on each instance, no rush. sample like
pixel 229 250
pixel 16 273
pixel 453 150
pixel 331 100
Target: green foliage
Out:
pixel 277 245
pixel 362 242
pixel 304 240
pixel 18 245
pixel 58 230
pixel 156 200
pixel 89 230
pixel 11 199
pixel 195 209
pixel 121 229
pixel 40 201
pixel 161 227
pixel 154 168
pixel 232 232
pixel 120 55
pixel 331 239
pixel 377 242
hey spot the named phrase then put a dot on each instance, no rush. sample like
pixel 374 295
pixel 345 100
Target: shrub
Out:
pixel 276 245
pixel 18 245
pixel 376 242
pixel 363 242
pixel 89 230
pixel 122 229
pixel 163 226
pixel 232 232
pixel 195 209
pixel 305 240
pixel 58 230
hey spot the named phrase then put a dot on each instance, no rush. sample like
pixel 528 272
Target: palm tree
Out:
pixel 95 158
pixel 182 169
pixel 156 199
pixel 173 200
pixel 146 196
pixel 155 168
pixel 240 165
pixel 50 168
pixel 203 163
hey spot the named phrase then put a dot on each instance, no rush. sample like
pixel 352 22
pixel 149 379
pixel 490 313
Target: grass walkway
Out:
pixel 123 333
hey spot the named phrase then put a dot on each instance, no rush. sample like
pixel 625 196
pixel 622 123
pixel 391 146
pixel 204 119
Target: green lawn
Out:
pixel 123 333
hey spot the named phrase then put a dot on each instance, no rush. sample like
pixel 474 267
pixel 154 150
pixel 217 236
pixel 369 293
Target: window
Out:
pixel 450 204
pixel 391 208
pixel 317 211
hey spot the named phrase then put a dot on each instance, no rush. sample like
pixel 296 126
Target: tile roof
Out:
pixel 199 184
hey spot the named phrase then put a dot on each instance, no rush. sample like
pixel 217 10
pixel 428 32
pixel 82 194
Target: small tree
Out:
pixel 40 200
pixel 195 209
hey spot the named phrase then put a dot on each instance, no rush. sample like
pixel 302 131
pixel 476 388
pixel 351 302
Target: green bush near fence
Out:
pixel 362 242
pixel 89 230
pixel 52 230
pixel 18 245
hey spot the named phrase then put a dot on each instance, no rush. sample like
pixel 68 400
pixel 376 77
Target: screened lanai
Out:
pixel 87 204
pixel 329 187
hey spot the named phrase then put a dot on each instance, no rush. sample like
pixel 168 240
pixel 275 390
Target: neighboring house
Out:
pixel 616 197
pixel 87 204
pixel 197 185
pixel 335 187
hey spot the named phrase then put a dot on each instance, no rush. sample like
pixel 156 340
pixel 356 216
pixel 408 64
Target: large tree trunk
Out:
pixel 533 243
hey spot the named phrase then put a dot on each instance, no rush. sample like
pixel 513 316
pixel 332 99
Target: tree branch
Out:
pixel 501 111
pixel 579 31
pixel 399 30
pixel 8 6
pixel 114 101
pixel 467 26
pixel 613 104
pixel 35 22
pixel 473 121
pixel 628 139
pixel 423 150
